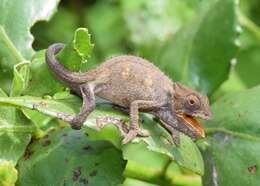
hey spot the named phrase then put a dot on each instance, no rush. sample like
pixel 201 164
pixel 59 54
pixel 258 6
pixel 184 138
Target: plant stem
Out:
pixel 9 44
pixel 250 26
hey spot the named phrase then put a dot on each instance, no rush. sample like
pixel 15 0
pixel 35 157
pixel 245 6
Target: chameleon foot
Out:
pixel 130 136
pixel 133 133
pixel 76 124
pixel 120 124
pixel 143 132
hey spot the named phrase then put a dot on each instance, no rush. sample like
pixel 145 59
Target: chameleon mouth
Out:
pixel 192 122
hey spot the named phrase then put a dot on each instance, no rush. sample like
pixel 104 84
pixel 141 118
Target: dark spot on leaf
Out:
pixel 87 148
pixel 76 173
pixel 156 119
pixel 84 181
pixel 27 154
pixel 96 164
pixel 51 130
pixel 252 169
pixel 43 104
pixel 34 106
pixel 66 160
pixel 46 136
pixel 64 135
pixel 93 173
pixel 46 143
pixel 86 134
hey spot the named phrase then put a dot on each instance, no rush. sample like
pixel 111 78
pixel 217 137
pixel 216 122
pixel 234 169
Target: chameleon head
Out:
pixel 189 104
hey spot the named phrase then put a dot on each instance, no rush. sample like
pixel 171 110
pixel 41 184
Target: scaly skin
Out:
pixel 135 84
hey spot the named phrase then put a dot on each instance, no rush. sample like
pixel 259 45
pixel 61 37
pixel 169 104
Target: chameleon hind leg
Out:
pixel 88 105
pixel 87 93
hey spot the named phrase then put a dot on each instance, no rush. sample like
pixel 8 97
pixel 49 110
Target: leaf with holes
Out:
pixel 78 51
pixel 68 157
pixel 16 19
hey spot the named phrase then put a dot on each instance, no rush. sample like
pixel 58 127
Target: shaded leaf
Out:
pixel 58 29
pixel 68 157
pixel 248 61
pixel 41 81
pixel 234 143
pixel 199 54
pixel 110 36
pixel 248 57
pixel 150 23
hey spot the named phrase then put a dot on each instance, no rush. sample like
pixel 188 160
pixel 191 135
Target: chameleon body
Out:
pixel 137 85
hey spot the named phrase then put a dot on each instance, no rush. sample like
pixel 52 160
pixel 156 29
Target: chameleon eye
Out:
pixel 193 101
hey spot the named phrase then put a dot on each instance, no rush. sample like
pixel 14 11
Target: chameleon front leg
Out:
pixel 88 96
pixel 174 133
pixel 169 121
pixel 134 129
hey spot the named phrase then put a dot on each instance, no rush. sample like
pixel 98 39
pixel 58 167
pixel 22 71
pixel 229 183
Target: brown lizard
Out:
pixel 135 84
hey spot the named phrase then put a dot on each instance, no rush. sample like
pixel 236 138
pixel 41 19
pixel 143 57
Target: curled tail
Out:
pixel 59 70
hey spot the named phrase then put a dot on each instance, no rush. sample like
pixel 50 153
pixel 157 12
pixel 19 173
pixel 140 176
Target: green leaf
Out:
pixel 41 81
pixel 76 52
pixel 15 132
pixel 248 57
pixel 150 165
pixel 177 176
pixel 200 53
pixel 35 79
pixel 68 157
pixel 21 78
pixel 234 143
pixel 8 173
pixel 109 35
pixel 133 182
pixel 58 29
pixel 16 19
pixel 151 23
pixel 187 155
pixel 248 61
pixel 232 85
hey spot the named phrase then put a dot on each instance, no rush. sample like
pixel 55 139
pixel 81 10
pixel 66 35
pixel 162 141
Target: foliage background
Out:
pixel 212 46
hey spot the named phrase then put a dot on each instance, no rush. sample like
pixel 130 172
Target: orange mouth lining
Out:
pixel 189 120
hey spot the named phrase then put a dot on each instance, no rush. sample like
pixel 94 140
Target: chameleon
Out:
pixel 137 85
